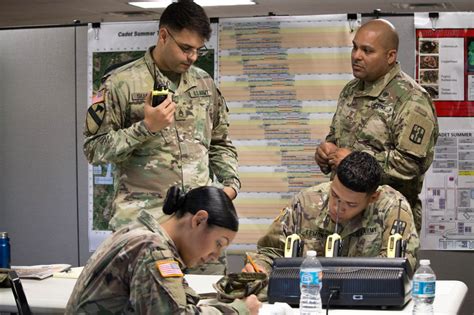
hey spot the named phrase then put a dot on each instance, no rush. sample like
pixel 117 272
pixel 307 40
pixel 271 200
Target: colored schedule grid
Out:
pixel 281 77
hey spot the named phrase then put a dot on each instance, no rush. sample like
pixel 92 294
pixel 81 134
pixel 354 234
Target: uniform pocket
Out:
pixel 202 121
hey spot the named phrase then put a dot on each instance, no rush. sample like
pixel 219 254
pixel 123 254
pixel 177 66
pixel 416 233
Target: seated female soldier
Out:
pixel 138 269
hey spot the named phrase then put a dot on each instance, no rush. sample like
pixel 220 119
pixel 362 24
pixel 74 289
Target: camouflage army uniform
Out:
pixel 188 152
pixel 366 235
pixel 394 120
pixel 123 277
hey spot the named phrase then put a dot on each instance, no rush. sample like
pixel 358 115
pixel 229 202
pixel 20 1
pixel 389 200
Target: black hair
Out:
pixel 220 209
pixel 186 14
pixel 360 172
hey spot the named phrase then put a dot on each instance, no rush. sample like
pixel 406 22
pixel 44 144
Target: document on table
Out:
pixel 39 271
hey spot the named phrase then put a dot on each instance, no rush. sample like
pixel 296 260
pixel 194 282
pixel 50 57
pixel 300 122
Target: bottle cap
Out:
pixel 3 234
pixel 425 262
pixel 311 253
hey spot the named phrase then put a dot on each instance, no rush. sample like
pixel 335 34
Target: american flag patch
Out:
pixel 99 97
pixel 169 268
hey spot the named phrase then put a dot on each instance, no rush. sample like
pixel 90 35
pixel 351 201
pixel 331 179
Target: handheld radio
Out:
pixel 159 93
pixel 333 242
pixel 293 242
pixel 396 244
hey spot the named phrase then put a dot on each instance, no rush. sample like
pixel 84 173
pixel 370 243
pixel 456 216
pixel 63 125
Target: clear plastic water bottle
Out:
pixel 310 285
pixel 424 287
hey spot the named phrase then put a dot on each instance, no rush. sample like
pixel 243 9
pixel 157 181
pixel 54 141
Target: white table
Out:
pixel 50 296
pixel 449 297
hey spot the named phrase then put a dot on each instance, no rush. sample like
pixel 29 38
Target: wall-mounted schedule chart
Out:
pixel 281 77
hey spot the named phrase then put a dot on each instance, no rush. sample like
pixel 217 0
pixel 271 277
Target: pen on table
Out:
pixel 250 260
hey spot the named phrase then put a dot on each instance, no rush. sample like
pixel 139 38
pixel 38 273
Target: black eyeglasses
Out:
pixel 189 51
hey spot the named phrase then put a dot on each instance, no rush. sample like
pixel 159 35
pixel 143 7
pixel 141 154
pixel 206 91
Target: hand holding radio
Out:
pixel 159 117
pixel 159 93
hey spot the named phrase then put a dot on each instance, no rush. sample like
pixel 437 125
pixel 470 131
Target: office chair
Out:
pixel 19 294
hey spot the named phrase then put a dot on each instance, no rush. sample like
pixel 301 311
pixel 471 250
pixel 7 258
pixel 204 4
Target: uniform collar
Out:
pixel 145 218
pixel 357 223
pixel 363 220
pixel 149 221
pixel 374 89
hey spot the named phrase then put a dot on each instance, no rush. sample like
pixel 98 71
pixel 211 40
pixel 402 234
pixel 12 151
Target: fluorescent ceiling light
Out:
pixel 203 3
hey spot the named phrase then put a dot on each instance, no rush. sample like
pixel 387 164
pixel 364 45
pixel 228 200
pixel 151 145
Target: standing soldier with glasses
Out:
pixel 182 141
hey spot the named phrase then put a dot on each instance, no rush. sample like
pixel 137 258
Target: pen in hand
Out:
pixel 250 260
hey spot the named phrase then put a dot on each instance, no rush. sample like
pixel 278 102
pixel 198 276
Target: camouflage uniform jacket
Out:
pixel 365 235
pixel 191 150
pixel 394 120
pixel 122 277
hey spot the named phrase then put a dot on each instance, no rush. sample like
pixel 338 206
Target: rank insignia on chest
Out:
pixel 169 268
pixel 199 93
pixel 179 115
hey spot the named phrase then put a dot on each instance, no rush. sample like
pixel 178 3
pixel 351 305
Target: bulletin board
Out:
pixel 445 68
pixel 281 77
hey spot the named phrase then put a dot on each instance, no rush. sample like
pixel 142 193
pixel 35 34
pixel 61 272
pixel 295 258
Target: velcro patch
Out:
pixel 169 268
pixel 99 97
pixel 138 97
pixel 199 93
pixel 398 226
pixel 95 117
pixel 416 135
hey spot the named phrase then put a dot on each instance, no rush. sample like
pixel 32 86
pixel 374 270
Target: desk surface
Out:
pixel 51 296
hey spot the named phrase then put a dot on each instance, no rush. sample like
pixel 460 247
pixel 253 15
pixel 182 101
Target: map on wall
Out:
pixel 280 76
pixel 111 45
pixel 445 67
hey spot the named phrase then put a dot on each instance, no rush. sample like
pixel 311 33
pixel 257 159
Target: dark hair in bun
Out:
pixel 220 209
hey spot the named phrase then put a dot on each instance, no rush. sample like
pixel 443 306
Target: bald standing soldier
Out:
pixel 383 112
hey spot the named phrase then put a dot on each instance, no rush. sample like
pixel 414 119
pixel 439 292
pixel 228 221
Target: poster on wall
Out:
pixel 448 217
pixel 281 77
pixel 445 68
pixel 445 61
pixel 110 45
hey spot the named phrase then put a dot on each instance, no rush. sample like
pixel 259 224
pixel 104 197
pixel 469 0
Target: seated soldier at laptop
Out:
pixel 366 213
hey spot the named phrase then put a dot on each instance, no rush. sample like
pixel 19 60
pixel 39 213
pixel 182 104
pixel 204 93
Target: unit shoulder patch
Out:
pixel 95 117
pixel 416 135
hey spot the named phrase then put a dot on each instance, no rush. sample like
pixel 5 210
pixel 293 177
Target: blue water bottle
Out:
pixel 4 250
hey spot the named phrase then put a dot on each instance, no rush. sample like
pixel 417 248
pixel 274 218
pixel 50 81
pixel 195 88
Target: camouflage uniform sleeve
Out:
pixel 222 153
pixel 107 139
pixel 415 131
pixel 331 137
pixel 156 294
pixel 409 233
pixel 272 244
